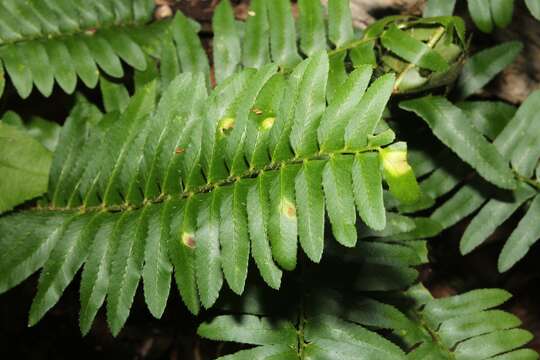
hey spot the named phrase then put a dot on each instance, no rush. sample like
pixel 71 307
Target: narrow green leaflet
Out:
pixel 480 11
pixel 412 50
pixel 310 106
pixel 283 225
pixel 484 65
pixel 499 342
pixel 249 329
pixel 370 108
pixel 494 213
pixel 66 258
pixel 256 49
pixel 463 203
pixel 126 268
pixel 502 11
pixel 258 211
pixel 96 272
pixel 226 43
pixel 466 326
pixel 455 130
pixel 24 164
pixel 233 235
pixel 343 108
pixel 524 236
pixel 266 352
pixel 310 200
pixel 157 266
pixel 337 184
pixel 181 250
pixel 490 117
pixel 439 310
pixel 311 27
pixel 340 28
pixel 368 192
pixel 62 65
pixel 282 34
pixel 207 252
pixel 334 338
pixel 280 144
pixel 190 51
pixel 525 142
pixel 27 244
pixel 115 95
pixel 534 8
pixel 439 8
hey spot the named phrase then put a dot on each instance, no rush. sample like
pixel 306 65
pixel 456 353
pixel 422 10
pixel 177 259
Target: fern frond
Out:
pixel 349 321
pixel 501 123
pixel 198 184
pixel 431 58
pixel 62 41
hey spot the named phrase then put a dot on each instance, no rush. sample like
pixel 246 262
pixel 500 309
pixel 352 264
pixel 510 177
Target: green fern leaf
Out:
pixel 175 201
pixel 226 45
pixel 67 257
pixel 60 41
pixel 157 266
pixel 337 184
pixel 450 125
pixel 258 211
pixel 439 8
pixel 256 51
pixel 311 27
pixel 495 212
pixel 24 164
pixel 126 266
pixel 282 34
pixel 340 29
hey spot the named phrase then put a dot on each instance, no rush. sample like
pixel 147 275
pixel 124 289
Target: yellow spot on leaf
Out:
pixel 288 209
pixel 188 239
pixel 267 123
pixel 395 162
pixel 225 125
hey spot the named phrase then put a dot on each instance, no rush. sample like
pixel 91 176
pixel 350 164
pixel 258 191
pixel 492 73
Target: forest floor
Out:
pixel 173 337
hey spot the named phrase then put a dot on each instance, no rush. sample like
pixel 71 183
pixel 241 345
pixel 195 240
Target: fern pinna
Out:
pixel 269 144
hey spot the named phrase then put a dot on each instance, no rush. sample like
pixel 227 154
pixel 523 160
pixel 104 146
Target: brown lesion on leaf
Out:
pixel 179 150
pixel 257 111
pixel 226 125
pixel 188 239
pixel 288 209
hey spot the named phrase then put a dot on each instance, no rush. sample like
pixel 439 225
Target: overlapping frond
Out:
pixel 325 321
pixel 514 142
pixel 486 14
pixel 424 53
pixel 43 42
pixel 201 181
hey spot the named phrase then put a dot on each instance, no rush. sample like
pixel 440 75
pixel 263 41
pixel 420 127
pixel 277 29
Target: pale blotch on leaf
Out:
pixel 267 123
pixel 395 162
pixel 225 125
pixel 288 209
pixel 188 239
